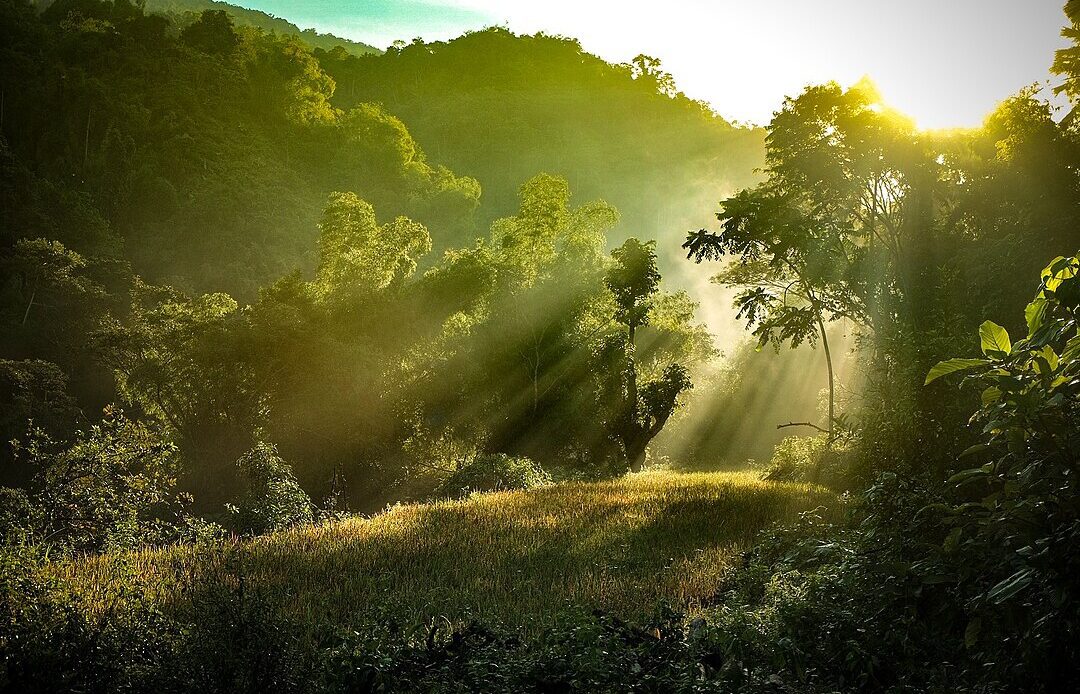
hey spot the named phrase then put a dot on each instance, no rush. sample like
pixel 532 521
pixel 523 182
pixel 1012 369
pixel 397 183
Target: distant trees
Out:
pixel 86 164
pixel 510 106
pixel 213 32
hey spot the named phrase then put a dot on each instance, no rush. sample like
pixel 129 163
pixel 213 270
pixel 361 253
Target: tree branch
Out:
pixel 802 424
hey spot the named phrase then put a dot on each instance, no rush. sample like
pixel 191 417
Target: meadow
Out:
pixel 515 558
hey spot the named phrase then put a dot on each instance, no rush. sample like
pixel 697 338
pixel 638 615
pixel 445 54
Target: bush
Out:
pixel 965 584
pixel 810 459
pixel 113 488
pixel 273 499
pixel 493 472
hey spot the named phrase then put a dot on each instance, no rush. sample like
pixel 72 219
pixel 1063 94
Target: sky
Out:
pixel 944 62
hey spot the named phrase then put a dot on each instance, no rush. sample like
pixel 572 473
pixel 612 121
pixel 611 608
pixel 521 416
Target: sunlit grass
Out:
pixel 513 557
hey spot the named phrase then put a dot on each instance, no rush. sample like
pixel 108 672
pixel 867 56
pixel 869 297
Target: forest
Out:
pixel 326 368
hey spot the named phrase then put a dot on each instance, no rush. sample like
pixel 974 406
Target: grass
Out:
pixel 516 558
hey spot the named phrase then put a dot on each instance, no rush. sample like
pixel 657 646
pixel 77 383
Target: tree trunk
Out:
pixel 29 305
pixel 637 459
pixel 832 380
pixel 86 143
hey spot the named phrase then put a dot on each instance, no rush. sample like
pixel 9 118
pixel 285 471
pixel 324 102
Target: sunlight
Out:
pixel 496 345
pixel 742 57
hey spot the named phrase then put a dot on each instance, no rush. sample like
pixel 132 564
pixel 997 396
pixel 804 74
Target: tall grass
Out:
pixel 515 558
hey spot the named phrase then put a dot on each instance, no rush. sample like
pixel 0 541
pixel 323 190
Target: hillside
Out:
pixel 243 16
pixel 625 545
pixel 126 133
pixel 499 106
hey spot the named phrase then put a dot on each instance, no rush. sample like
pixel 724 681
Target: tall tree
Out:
pixel 638 411
pixel 831 233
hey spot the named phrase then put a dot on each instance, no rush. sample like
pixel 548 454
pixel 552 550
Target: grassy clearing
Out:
pixel 511 557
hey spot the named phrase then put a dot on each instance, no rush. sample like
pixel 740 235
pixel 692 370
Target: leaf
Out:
pixel 1068 292
pixel 1051 357
pixel 1010 586
pixel 966 475
pixel 1072 349
pixel 991 395
pixel 972 450
pixel 994 338
pixel 944 368
pixel 952 541
pixel 1035 313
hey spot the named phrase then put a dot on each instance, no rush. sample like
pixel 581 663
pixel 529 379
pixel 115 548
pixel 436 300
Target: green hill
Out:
pixel 499 107
pixel 243 16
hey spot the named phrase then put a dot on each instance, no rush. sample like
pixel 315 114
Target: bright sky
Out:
pixel 945 62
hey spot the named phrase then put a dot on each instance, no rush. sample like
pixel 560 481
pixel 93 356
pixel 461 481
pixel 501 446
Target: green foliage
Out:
pixel 1025 504
pixel 113 488
pixel 33 391
pixel 814 459
pixel 968 584
pixel 493 472
pixel 633 279
pixel 272 499
pixel 510 106
pixel 212 33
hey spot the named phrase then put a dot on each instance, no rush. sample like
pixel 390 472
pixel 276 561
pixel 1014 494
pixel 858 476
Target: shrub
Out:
pixel 113 488
pixel 810 459
pixel 273 499
pixel 493 472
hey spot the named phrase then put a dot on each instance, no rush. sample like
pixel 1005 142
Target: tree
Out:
pixel 49 276
pixel 549 260
pixel 178 359
pixel 33 391
pixel 357 255
pixel 212 33
pixel 1067 60
pixel 638 413
pixel 649 71
pixel 272 499
pixel 834 232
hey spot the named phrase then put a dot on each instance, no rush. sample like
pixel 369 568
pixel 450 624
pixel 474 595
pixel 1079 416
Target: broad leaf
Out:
pixel 1035 313
pixel 991 395
pixel 1009 587
pixel 944 368
pixel 994 338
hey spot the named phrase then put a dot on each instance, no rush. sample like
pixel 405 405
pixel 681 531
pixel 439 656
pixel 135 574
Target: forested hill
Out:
pixel 202 154
pixel 177 9
pixel 203 151
pixel 499 107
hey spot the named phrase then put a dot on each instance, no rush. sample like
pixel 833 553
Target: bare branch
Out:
pixel 802 424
